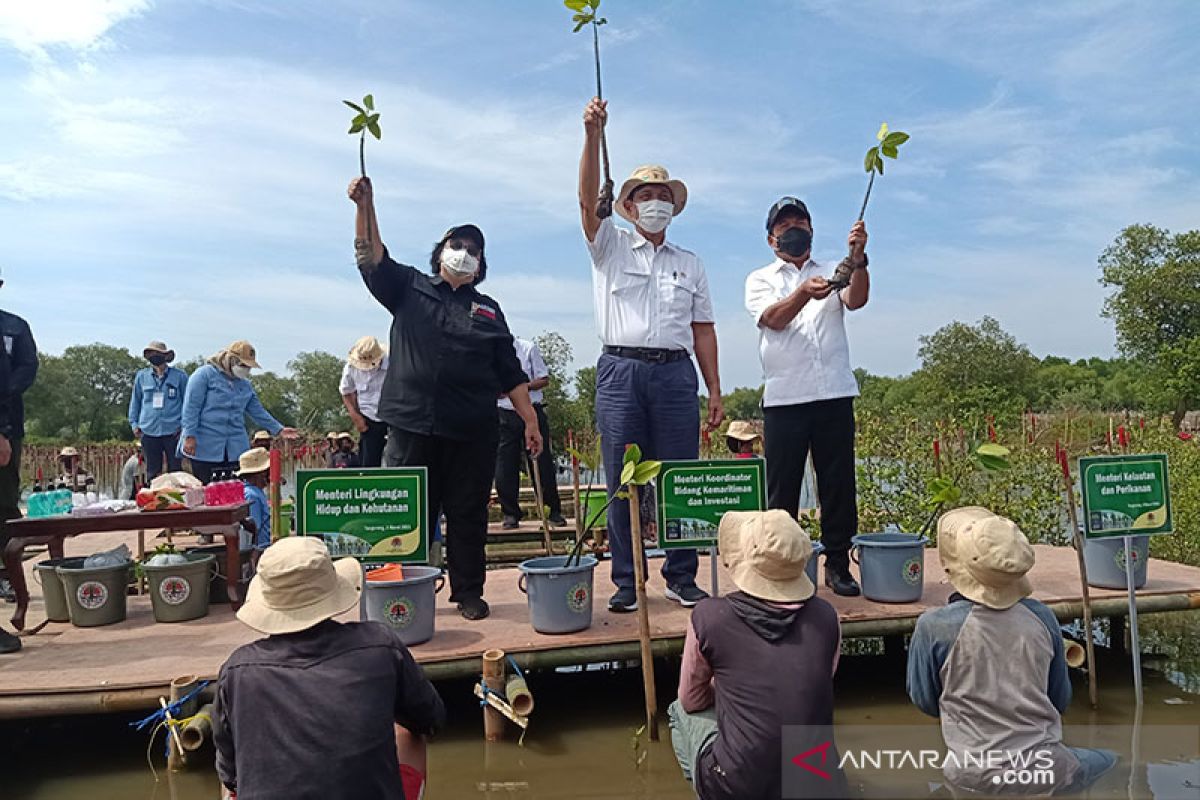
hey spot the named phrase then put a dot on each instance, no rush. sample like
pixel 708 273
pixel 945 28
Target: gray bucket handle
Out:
pixel 440 583
pixel 521 583
pixel 854 554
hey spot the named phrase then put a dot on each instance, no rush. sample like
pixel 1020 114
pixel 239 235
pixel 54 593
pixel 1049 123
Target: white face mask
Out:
pixel 459 262
pixel 654 215
pixel 241 371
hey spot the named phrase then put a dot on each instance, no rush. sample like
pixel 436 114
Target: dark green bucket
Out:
pixel 96 596
pixel 179 592
pixel 52 588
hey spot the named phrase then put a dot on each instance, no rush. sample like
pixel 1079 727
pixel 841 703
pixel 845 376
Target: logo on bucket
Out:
pixel 579 597
pixel 91 595
pixel 174 590
pixel 1119 557
pixel 399 612
pixel 912 571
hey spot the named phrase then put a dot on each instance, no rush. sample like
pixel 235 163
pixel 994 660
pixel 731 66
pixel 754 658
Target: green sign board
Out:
pixel 694 495
pixel 375 515
pixel 1125 495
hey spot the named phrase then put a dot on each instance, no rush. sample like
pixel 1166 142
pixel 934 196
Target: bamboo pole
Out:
pixel 540 501
pixel 176 758
pixel 579 513
pixel 493 678
pixel 1077 538
pixel 520 699
pixel 643 613
pixel 497 706
pixel 198 730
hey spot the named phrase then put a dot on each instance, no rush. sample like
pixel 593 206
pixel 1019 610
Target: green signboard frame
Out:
pixel 376 515
pixel 1125 495
pixel 693 496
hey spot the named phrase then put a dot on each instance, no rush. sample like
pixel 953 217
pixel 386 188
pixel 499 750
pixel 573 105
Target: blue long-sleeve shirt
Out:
pixel 215 407
pixel 260 512
pixel 156 403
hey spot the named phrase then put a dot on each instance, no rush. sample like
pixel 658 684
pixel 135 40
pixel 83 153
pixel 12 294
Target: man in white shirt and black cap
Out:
pixel 808 399
pixel 654 310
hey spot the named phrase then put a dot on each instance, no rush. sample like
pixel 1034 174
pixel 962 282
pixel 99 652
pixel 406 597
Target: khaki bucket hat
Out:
pixel 245 353
pixel 67 452
pixel 766 553
pixel 985 556
pixel 160 348
pixel 743 431
pixel 258 435
pixel 654 174
pixel 255 460
pixel 367 353
pixel 298 586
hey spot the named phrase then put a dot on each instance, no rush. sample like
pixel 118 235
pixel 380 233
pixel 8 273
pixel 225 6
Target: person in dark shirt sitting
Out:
pixel 343 455
pixel 319 709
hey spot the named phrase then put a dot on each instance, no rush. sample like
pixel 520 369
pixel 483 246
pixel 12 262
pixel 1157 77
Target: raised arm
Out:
pixel 368 246
pixel 595 117
pixel 855 295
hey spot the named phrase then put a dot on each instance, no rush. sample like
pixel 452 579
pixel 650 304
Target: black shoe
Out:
pixel 473 609
pixel 510 523
pixel 8 642
pixel 624 601
pixel 687 595
pixel 841 581
pixel 558 520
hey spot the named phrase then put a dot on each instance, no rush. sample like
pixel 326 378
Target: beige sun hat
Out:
pixel 298 585
pixel 261 435
pixel 367 353
pixel 159 347
pixel 651 173
pixel 743 431
pixel 254 460
pixel 245 353
pixel 985 556
pixel 67 452
pixel 345 435
pixel 766 553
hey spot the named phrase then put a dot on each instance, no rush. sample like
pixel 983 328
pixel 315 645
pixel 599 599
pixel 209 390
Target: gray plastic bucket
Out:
pixel 52 588
pixel 408 606
pixel 218 591
pixel 891 565
pixel 179 592
pixel 1105 561
pixel 810 569
pixel 96 596
pixel 560 597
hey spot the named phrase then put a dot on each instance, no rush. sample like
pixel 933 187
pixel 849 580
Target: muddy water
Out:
pixel 582 742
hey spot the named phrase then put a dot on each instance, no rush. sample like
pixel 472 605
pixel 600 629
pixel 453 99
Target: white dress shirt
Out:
pixel 534 366
pixel 808 360
pixel 367 384
pixel 646 296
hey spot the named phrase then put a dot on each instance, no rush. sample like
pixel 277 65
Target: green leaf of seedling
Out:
pixel 993 464
pixel 373 127
pixel 646 472
pixel 355 127
pixel 594 5
pixel 354 106
pixel 883 131
pixel 888 150
pixel 633 454
pixel 621 495
pixel 869 161
pixel 627 472
pixel 369 102
pixel 942 491
pixel 878 163
pixel 895 138
pixel 575 5
pixel 579 27
pixel 993 449
pixel 374 118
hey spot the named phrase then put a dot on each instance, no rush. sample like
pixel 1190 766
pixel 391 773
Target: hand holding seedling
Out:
pixel 595 116
pixel 585 14
pixel 360 192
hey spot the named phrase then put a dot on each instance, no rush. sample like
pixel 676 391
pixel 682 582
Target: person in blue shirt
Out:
pixel 156 409
pixel 254 470
pixel 219 397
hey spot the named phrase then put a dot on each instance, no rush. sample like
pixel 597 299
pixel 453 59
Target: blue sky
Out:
pixel 176 169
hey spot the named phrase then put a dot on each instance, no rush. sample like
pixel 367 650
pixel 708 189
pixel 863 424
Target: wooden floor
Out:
pixel 64 669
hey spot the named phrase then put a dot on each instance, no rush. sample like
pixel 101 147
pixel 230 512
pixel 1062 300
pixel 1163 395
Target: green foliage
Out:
pixel 316 376
pixel 278 395
pixel 584 13
pixel 83 394
pixel 889 146
pixel 744 403
pixel 365 120
pixel 969 371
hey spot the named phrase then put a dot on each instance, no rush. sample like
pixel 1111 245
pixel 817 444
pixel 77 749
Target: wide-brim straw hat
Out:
pixel 253 461
pixel 160 348
pixel 985 556
pixel 344 435
pixel 67 452
pixel 651 174
pixel 766 553
pixel 298 586
pixel 261 435
pixel 367 353
pixel 743 431
pixel 245 353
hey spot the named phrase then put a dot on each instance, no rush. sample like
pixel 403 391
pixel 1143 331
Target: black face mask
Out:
pixel 794 242
pixel 157 361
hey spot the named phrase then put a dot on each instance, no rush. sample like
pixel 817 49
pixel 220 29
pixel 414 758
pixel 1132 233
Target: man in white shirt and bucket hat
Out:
pixel 728 723
pixel 319 709
pixel 654 311
pixel 361 386
pixel 954 659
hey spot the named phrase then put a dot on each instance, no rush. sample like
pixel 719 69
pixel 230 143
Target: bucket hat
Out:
pixel 160 348
pixel 67 452
pixel 743 431
pixel 366 354
pixel 261 435
pixel 651 173
pixel 985 556
pixel 766 553
pixel 245 353
pixel 298 586
pixel 254 460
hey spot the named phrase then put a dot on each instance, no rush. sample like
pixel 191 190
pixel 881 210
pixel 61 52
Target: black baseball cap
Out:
pixel 784 204
pixel 469 231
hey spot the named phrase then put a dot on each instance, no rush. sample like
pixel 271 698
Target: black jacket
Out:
pixel 18 368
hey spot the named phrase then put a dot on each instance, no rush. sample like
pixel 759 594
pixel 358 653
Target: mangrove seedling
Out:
pixel 634 473
pixel 990 457
pixel 366 119
pixel 585 13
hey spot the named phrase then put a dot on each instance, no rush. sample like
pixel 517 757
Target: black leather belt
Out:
pixel 652 355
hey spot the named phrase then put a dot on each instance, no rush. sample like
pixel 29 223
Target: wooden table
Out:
pixel 51 531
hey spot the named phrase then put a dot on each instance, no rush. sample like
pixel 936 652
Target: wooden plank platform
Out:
pixel 65 669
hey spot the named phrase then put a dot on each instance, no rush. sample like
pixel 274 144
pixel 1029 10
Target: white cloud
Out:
pixel 31 26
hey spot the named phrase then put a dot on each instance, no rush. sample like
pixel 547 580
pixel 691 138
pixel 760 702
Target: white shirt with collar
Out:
pixel 808 360
pixel 367 384
pixel 646 296
pixel 534 367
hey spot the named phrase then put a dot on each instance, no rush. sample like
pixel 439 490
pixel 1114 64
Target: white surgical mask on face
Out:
pixel 654 215
pixel 459 262
pixel 241 371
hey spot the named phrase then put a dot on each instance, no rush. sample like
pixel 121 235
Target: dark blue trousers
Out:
pixel 156 450
pixel 654 406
